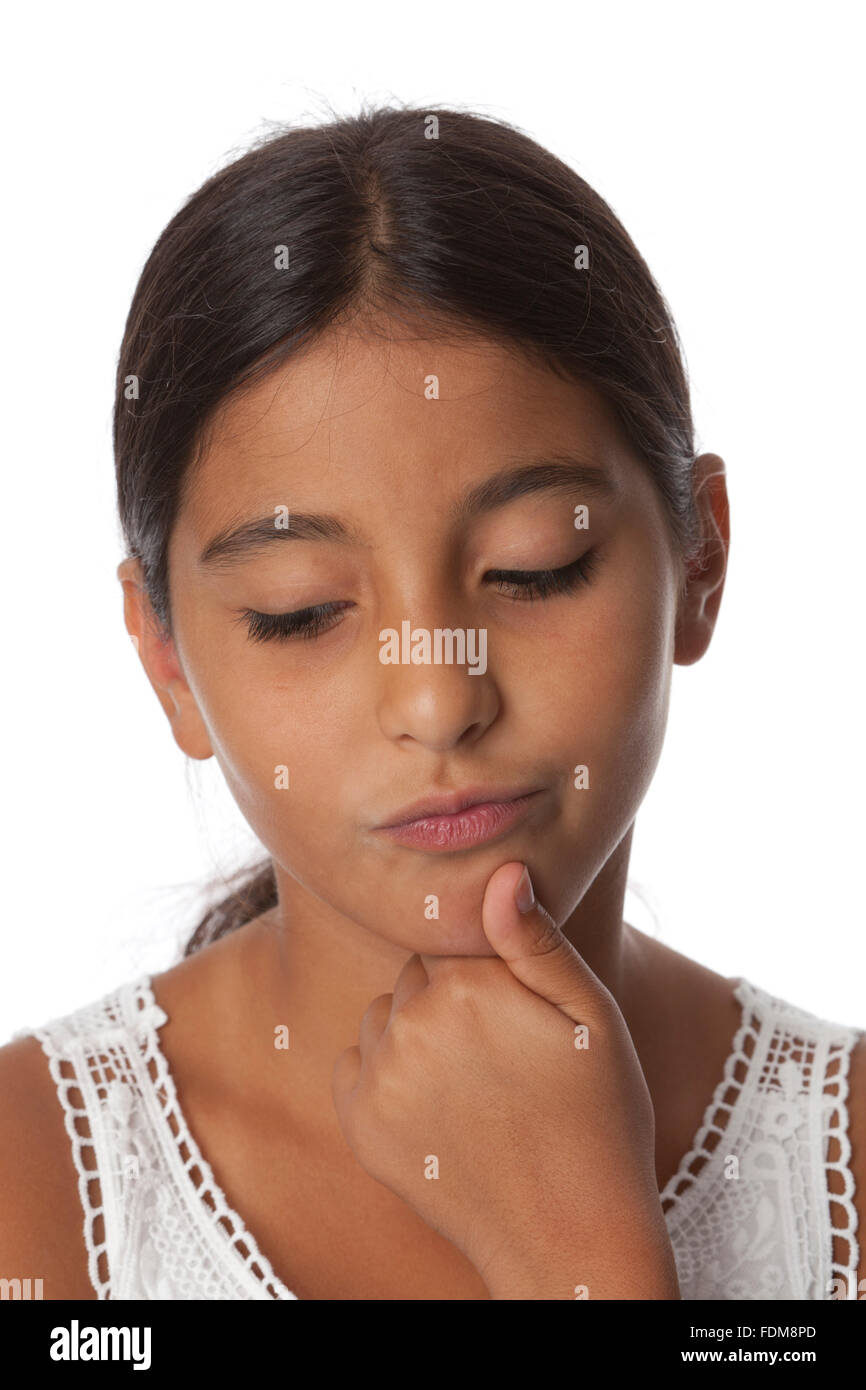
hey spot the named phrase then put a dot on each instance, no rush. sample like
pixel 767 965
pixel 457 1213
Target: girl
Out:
pixel 416 531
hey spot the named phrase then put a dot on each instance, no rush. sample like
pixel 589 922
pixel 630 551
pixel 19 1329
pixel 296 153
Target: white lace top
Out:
pixel 752 1211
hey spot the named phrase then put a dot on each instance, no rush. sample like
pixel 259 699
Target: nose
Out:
pixel 436 686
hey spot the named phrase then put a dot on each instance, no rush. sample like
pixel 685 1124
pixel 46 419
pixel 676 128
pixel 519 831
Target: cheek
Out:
pixel 280 743
pixel 604 684
pixel 634 664
pixel 635 676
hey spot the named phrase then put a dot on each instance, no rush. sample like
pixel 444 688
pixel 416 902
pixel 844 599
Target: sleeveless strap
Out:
pixel 129 1138
pixel 780 1110
pixel 88 1057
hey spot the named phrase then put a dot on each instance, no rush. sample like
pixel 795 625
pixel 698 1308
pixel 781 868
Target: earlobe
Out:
pixel 704 583
pixel 156 650
pixel 694 631
pixel 179 704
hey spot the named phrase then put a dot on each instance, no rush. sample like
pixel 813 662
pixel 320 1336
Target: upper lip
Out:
pixel 450 803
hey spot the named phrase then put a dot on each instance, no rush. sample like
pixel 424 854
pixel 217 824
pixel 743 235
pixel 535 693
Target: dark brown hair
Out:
pixel 452 216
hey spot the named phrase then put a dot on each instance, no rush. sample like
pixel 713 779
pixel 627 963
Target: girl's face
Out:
pixel 430 467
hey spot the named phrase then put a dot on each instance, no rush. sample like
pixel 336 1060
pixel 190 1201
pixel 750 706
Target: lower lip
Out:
pixel 470 827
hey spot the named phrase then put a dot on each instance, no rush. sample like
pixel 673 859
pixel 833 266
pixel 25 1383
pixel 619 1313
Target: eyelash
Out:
pixel 532 584
pixel 308 623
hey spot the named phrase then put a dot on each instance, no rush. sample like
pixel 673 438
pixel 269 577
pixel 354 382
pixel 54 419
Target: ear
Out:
pixel 160 661
pixel 704 577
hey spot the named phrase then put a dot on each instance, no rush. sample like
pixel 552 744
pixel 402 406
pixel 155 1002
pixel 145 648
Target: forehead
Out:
pixel 368 416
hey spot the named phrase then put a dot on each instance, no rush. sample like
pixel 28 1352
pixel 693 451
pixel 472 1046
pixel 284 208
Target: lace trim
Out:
pixel 701 1153
pixel 836 1132
pixel 75 1119
pixel 789 1028
pixel 206 1198
pixel 79 1049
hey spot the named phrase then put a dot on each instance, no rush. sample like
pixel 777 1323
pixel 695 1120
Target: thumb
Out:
pixel 525 936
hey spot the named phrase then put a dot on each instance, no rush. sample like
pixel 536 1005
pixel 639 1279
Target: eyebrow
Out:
pixel 559 473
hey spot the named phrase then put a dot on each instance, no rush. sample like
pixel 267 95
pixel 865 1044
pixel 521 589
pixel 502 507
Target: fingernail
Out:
pixel 524 893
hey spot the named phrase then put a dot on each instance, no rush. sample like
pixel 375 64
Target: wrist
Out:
pixel 628 1283
pixel 567 1266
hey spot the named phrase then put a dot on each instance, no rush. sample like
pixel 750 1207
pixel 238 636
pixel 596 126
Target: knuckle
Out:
pixel 548 940
pixel 377 1009
pixel 459 985
pixel 401 1026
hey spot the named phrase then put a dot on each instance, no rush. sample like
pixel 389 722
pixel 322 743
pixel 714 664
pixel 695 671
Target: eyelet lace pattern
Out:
pixel 761 1206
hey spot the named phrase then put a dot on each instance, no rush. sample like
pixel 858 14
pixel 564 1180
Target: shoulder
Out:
pixel 41 1217
pixel 857 1138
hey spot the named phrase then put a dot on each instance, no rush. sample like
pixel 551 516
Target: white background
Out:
pixel 728 139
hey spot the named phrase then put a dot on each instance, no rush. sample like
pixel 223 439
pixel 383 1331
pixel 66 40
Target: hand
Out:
pixel 503 1099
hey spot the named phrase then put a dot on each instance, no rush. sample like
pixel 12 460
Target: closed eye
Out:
pixel 521 585
pixel 280 627
pixel 531 584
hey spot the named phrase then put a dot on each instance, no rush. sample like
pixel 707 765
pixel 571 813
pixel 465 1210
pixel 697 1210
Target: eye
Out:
pixel 311 622
pixel 280 627
pixel 530 584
